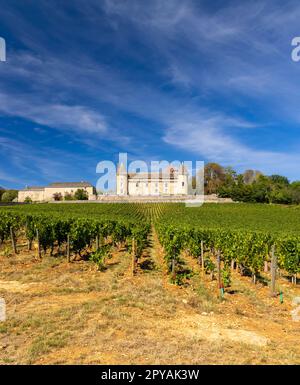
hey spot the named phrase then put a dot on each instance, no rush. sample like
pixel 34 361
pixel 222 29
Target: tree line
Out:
pixel 7 195
pixel 250 186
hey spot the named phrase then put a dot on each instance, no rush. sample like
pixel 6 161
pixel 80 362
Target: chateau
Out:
pixel 40 194
pixel 166 183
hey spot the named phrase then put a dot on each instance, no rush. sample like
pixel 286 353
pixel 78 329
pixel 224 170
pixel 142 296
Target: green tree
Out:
pixel 295 184
pixel 279 180
pixel 9 195
pixel 295 192
pixel 2 191
pixel 214 177
pixel 230 176
pixel 81 195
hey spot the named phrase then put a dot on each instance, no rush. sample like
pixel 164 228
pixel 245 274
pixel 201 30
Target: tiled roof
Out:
pixel 69 184
pixel 33 188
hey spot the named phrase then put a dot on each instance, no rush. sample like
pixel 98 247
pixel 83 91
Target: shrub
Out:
pixel 69 197
pixel 226 276
pixel 81 195
pixel 9 195
pixel 57 197
pixel 100 255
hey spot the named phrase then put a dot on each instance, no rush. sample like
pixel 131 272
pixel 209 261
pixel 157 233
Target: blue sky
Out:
pixel 186 80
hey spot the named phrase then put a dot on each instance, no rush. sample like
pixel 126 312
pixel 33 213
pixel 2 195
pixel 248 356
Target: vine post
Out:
pixel 29 240
pixel 13 240
pixel 173 272
pixel 97 242
pixel 266 266
pixel 294 279
pixel 133 257
pixel 68 248
pixel 232 264
pixel 273 271
pixel 202 258
pixel 38 244
pixel 219 269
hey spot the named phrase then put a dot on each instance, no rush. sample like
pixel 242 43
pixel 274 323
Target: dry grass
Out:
pixel 71 313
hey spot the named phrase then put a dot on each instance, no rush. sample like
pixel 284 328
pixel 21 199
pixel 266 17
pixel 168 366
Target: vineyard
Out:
pixel 243 238
pixel 248 239
pixel 72 231
pixel 212 254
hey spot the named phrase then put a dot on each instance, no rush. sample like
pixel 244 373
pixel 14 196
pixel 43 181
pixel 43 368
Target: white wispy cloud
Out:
pixel 210 139
pixel 234 53
pixel 73 118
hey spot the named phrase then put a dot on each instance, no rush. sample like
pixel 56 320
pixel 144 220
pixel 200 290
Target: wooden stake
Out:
pixel 173 270
pixel 13 240
pixel 133 257
pixel 266 268
pixel 219 268
pixel 232 264
pixel 202 258
pixel 29 244
pixel 68 248
pixel 97 242
pixel 273 272
pixel 294 279
pixel 38 244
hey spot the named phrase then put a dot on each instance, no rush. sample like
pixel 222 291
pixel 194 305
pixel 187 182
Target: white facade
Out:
pixel 40 194
pixel 34 193
pixel 173 182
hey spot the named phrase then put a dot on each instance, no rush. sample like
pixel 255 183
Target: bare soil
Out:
pixel 71 313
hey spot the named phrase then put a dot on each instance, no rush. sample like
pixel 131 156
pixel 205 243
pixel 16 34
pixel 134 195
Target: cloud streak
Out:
pixel 207 139
pixel 72 118
pixel 160 77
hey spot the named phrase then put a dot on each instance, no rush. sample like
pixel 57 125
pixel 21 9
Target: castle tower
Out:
pixel 122 180
pixel 182 181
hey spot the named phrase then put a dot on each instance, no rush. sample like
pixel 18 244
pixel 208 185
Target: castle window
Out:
pixel 182 184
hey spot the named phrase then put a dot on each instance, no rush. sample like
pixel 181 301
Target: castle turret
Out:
pixel 122 180
pixel 182 181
